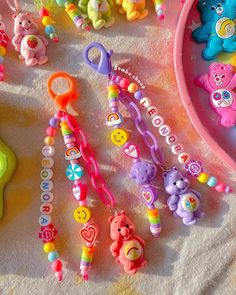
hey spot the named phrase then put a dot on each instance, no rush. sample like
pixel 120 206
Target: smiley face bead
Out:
pixel 82 214
pixel 119 137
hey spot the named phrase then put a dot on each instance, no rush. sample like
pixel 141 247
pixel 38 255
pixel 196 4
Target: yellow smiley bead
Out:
pixel 133 87
pixel 119 137
pixel 49 140
pixel 49 247
pixel 3 51
pixel 82 214
pixel 203 177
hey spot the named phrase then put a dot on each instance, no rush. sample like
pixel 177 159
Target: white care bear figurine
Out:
pixel 27 41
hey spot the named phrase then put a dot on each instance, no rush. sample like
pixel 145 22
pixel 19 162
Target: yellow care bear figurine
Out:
pixel 134 9
pixel 98 12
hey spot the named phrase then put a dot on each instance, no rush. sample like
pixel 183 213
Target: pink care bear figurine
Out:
pixel 220 83
pixel 127 247
pixel 27 41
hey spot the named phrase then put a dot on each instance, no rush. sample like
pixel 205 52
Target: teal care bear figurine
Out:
pixel 98 12
pixel 218 27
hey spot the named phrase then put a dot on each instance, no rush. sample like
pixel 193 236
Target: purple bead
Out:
pixel 54 122
pixel 114 109
pixel 113 78
pixel 143 172
pixel 138 95
pixel 118 78
pixel 112 83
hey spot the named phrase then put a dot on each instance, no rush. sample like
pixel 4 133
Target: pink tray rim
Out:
pixel 185 97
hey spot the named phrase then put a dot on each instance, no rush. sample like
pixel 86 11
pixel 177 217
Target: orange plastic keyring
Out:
pixel 62 100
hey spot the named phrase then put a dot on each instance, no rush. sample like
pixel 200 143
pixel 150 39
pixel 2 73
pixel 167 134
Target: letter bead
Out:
pixel 145 103
pixel 46 174
pixel 152 111
pixel 46 185
pixel 47 163
pixel 164 130
pixel 46 197
pixel 48 151
pixel 177 149
pixel 45 220
pixel 46 208
pixel 183 158
pixel 171 139
pixel 157 121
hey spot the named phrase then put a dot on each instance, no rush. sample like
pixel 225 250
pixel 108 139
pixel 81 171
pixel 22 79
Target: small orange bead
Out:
pixel 49 140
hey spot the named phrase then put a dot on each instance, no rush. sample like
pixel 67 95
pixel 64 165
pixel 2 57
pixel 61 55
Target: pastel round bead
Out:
pixel 49 30
pixel 43 12
pixel 46 174
pixel 3 51
pixel 171 139
pixel 46 208
pixel 47 162
pixel 177 149
pixel 48 151
pixel 212 181
pixel 133 87
pixel 54 122
pixel 152 111
pixel 138 95
pixel 220 187
pixel 145 102
pixel 124 83
pixel 46 185
pixel 47 197
pixel 203 177
pixel 118 79
pixel 49 140
pixel 47 20
pixel 157 121
pixel 228 189
pixel 61 3
pixel 74 172
pixel 49 247
pixel 45 220
pixel 57 265
pixel 183 158
pixel 52 256
pixel 51 131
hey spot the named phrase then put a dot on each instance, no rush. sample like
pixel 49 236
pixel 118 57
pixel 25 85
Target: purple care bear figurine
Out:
pixel 220 83
pixel 183 201
pixel 143 172
pixel 27 41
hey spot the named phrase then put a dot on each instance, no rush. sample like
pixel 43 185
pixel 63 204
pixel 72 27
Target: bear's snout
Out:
pixel 219 10
pixel 182 184
pixel 125 232
pixel 26 25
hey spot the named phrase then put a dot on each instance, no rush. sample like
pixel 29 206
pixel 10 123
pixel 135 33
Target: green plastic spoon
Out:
pixel 7 168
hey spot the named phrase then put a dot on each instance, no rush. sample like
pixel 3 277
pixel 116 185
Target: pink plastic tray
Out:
pixel 189 64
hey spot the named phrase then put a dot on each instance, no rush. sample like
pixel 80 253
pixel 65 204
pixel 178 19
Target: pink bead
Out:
pixel 70 145
pixel 220 187
pixel 57 265
pixel 124 83
pixel 59 275
pixel 83 203
pixel 43 12
pixel 51 131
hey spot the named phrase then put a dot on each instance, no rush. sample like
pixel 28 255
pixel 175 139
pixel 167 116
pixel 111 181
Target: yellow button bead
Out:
pixel 47 21
pixel 133 87
pixel 119 136
pixel 3 51
pixel 49 247
pixel 49 140
pixel 82 214
pixel 203 178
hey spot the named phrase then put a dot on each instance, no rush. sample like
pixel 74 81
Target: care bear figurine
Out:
pixel 134 9
pixel 127 247
pixel 183 201
pixel 98 12
pixel 220 83
pixel 27 41
pixel 218 27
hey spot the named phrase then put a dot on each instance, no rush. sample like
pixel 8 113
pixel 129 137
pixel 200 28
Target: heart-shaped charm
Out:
pixel 89 233
pixel 131 151
pixel 149 195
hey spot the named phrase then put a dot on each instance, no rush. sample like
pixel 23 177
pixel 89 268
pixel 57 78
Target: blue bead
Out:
pixel 212 181
pixel 53 256
pixel 49 30
pixel 61 3
pixel 138 95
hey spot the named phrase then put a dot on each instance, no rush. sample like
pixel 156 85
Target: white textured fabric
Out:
pixel 198 260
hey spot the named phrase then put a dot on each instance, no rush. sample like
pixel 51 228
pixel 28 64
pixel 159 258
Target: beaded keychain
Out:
pixel 183 201
pixel 44 7
pixel 3 45
pixel 74 14
pixel 127 247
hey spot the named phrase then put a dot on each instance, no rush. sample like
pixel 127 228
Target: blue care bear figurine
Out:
pixel 218 27
pixel 183 201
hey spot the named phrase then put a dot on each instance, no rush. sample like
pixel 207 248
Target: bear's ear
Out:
pixel 164 174
pixel 202 4
pixel 27 13
pixel 229 68
pixel 14 16
pixel 214 65
pixel 174 168
pixel 111 218
pixel 122 212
